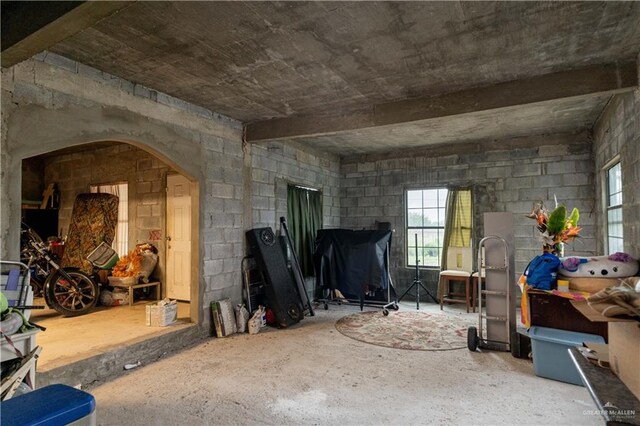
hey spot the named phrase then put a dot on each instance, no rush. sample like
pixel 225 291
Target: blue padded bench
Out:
pixel 51 405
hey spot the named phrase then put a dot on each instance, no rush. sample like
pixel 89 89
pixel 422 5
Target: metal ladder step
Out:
pixel 495 268
pixel 494 318
pixel 494 293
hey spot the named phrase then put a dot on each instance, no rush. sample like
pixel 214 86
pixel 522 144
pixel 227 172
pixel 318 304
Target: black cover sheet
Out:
pixel 354 262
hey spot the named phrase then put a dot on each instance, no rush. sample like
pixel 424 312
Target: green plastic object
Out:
pixel 103 257
pixel 4 303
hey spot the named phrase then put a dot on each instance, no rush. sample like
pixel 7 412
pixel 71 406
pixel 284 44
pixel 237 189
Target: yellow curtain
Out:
pixel 461 226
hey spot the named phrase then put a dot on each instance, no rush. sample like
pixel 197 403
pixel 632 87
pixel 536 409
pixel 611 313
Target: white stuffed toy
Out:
pixel 617 265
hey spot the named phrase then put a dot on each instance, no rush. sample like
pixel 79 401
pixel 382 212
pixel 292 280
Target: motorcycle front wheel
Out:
pixel 69 299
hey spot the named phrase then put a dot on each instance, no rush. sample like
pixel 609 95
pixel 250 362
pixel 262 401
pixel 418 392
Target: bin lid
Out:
pixel 53 405
pixel 562 337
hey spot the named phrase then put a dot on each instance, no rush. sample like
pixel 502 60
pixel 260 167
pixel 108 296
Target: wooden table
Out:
pixel 131 287
pixel 614 400
pixel 549 310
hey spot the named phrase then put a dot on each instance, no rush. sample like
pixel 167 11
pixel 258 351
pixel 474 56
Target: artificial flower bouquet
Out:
pixel 556 228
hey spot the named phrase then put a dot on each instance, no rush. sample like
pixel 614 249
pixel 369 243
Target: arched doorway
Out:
pixel 80 169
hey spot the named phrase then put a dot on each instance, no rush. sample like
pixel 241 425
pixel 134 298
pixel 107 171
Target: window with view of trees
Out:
pixel 615 239
pixel 426 220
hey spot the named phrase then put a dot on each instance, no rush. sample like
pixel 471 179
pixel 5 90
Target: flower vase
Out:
pixel 556 249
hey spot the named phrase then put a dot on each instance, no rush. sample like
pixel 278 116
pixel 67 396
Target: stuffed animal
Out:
pixel 617 265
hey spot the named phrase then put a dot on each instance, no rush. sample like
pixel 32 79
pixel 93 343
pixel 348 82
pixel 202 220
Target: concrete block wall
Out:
pixel 144 174
pixel 617 133
pixel 507 176
pixel 222 226
pixel 275 165
pixel 49 103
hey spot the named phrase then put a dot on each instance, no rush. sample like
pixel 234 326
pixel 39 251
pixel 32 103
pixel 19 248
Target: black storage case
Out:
pixel 280 286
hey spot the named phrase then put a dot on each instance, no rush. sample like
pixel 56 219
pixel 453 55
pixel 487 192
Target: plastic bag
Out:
pixel 114 298
pixel 147 265
pixel 257 321
pixel 106 298
pixel 242 318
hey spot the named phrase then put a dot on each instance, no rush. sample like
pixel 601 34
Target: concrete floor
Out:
pixel 312 374
pixel 67 340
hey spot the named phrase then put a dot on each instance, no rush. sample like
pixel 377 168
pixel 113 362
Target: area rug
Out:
pixel 420 331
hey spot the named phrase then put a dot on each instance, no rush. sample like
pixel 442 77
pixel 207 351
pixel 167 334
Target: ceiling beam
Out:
pixel 588 81
pixel 29 28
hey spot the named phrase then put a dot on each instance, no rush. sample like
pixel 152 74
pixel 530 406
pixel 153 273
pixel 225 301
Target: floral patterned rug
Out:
pixel 420 331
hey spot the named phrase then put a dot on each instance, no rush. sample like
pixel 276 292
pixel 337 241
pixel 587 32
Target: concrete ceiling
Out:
pixel 263 61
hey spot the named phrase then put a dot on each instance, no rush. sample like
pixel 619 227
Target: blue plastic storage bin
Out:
pixel 53 405
pixel 551 356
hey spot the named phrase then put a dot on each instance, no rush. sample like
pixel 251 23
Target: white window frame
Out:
pixel 410 230
pixel 608 207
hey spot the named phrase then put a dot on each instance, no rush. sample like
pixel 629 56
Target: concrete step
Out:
pixel 109 364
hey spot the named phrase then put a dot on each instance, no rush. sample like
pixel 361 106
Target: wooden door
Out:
pixel 178 274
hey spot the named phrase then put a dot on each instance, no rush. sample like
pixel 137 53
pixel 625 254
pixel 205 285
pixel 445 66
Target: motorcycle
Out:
pixel 68 290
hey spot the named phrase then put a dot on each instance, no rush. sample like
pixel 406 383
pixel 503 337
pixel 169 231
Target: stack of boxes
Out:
pixel 550 345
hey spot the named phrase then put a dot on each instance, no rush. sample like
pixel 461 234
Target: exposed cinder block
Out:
pixel 143 211
pixel 374 191
pixel 533 194
pixel 232 206
pixel 213 267
pixel 576 179
pixel 451 175
pixel 268 217
pixel 553 150
pixel 561 167
pixel 548 181
pixel 61 62
pixel 518 183
pixel 517 154
pixel 367 201
pixel 222 190
pixel 527 170
pixel 143 187
pixel 33 94
pixel 365 167
pixel 144 164
pixel 232 235
pixel 212 143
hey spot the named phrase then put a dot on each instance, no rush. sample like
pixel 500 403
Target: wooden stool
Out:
pixel 132 287
pixel 445 280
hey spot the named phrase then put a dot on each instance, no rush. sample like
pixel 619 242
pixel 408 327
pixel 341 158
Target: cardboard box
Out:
pixel 162 313
pixel 624 345
pixel 624 353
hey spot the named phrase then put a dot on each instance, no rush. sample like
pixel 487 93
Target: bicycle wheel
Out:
pixel 69 299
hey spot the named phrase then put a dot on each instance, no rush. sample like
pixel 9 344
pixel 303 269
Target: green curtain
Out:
pixel 304 217
pixel 458 222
